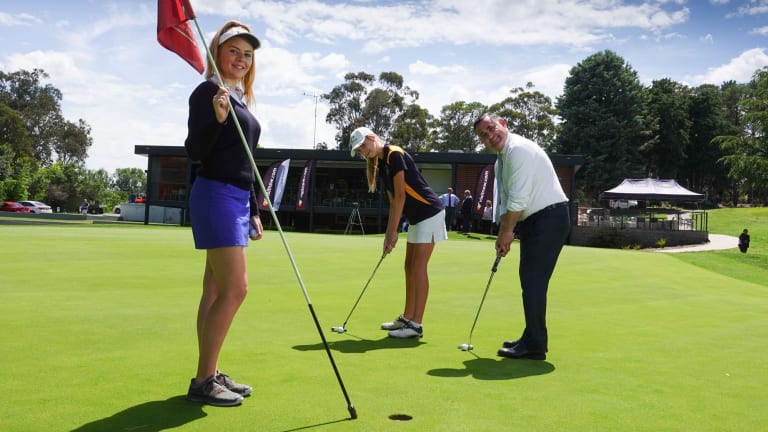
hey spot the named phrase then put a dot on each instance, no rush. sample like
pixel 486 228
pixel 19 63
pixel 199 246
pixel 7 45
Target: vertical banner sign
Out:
pixel 302 201
pixel 483 189
pixel 282 175
pixel 274 182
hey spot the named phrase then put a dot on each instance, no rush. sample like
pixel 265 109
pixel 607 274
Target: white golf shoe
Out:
pixel 398 323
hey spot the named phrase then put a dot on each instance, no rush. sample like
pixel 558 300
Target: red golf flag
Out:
pixel 175 33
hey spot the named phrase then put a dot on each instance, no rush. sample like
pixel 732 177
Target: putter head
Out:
pixel 339 329
pixel 466 347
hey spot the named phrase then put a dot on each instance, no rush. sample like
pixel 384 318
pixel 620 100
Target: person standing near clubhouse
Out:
pixel 530 198
pixel 449 201
pixel 466 212
pixel 487 219
pixel 222 203
pixel 409 196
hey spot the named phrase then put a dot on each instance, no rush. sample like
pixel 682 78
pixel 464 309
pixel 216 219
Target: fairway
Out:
pixel 99 335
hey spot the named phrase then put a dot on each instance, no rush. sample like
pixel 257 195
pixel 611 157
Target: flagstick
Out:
pixel 212 61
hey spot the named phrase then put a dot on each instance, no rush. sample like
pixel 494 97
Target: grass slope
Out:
pixel 98 335
pixel 752 266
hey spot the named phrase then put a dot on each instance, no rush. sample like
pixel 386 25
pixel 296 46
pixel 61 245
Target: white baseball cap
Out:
pixel 357 137
pixel 242 32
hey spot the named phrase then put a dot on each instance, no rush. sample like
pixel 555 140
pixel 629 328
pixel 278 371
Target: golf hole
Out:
pixel 400 417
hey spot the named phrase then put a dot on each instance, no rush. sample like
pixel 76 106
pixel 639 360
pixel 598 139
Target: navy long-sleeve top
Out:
pixel 217 146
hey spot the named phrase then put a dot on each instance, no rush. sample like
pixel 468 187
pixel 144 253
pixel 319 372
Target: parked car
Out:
pixel 96 209
pixel 37 206
pixel 13 207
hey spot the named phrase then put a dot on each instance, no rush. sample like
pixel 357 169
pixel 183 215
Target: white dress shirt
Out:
pixel 526 178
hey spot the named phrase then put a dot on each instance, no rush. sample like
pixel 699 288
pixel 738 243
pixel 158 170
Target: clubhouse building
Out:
pixel 323 189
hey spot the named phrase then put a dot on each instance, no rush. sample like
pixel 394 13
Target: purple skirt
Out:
pixel 220 214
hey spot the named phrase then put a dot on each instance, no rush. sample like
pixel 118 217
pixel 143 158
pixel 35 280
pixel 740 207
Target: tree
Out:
pixel 602 108
pixel 668 118
pixel 40 107
pixel 73 141
pixel 132 181
pixel 411 129
pixel 346 102
pixel 57 179
pixel 16 163
pixel 15 142
pixel 732 93
pixel 703 172
pixel 747 158
pixel 454 127
pixel 94 185
pixel 359 102
pixel 530 114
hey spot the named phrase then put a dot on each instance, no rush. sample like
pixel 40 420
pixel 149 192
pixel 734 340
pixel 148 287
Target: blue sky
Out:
pixel 104 57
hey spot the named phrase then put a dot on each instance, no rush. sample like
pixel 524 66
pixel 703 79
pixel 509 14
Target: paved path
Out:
pixel 716 242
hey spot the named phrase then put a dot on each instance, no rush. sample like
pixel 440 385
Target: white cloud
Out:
pixel 549 79
pixel 385 26
pixel 279 125
pixel 121 114
pixel 752 8
pixel 708 38
pixel 8 20
pixel 422 68
pixel 761 31
pixel 739 69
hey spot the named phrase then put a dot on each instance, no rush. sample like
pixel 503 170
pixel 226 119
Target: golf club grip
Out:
pixel 496 263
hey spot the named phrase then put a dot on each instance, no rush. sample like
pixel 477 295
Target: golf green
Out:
pixel 98 334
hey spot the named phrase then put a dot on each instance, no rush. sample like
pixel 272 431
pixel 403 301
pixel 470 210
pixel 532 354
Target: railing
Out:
pixel 651 220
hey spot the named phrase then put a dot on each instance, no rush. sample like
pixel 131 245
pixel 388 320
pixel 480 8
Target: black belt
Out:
pixel 549 207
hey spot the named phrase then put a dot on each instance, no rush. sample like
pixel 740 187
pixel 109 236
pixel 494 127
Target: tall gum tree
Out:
pixel 602 109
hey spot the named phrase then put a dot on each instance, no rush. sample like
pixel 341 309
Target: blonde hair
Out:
pixel 372 168
pixel 249 76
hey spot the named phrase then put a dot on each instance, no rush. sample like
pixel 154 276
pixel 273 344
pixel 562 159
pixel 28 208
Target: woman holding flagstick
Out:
pixel 222 203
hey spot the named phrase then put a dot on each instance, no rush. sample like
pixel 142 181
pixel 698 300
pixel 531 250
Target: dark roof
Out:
pixel 651 189
pixel 340 155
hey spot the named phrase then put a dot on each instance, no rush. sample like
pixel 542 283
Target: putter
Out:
pixel 468 346
pixel 343 327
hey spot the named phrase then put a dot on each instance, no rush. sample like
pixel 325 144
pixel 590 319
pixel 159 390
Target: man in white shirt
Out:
pixel 530 198
pixel 449 202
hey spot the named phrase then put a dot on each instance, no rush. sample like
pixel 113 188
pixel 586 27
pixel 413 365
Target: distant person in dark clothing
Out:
pixel 744 241
pixel 466 212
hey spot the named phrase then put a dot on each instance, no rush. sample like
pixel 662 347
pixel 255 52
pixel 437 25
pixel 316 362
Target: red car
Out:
pixel 14 207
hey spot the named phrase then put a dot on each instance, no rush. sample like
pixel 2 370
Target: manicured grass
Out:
pixel 752 266
pixel 98 335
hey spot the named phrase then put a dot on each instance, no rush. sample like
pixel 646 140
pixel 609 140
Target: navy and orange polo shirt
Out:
pixel 421 202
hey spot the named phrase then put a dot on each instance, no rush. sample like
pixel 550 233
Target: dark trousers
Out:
pixel 466 222
pixel 542 236
pixel 450 214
